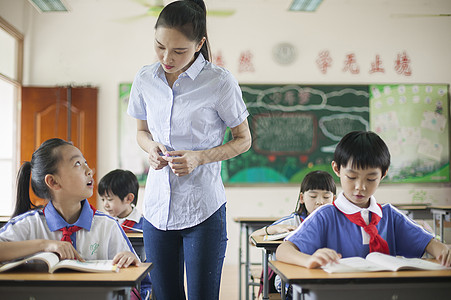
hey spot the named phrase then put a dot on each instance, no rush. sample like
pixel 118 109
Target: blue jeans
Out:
pixel 201 248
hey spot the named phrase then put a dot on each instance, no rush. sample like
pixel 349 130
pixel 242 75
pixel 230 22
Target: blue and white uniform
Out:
pixel 293 219
pixel 101 237
pixel 327 227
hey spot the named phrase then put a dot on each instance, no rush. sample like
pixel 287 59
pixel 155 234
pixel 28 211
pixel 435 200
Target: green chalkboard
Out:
pixel 295 129
pixel 284 133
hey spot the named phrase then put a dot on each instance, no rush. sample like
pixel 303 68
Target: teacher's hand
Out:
pixel 183 162
pixel 156 160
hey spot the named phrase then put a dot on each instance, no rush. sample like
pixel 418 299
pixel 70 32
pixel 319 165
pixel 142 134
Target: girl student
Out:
pixel 183 105
pixel 67 225
pixel 317 188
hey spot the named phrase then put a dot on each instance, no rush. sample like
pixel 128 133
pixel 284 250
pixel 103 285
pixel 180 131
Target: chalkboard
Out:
pixel 284 133
pixel 295 129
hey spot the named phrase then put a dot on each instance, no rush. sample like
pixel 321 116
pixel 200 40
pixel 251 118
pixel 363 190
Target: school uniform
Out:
pixel 133 221
pixel 328 227
pixel 101 237
pixel 293 219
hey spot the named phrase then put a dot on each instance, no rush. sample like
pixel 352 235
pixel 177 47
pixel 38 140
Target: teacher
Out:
pixel 183 105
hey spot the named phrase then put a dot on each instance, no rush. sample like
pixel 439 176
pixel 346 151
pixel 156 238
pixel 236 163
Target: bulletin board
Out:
pixel 414 122
pixel 295 129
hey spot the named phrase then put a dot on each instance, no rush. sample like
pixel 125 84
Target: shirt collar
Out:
pixel 349 208
pixel 56 222
pixel 134 216
pixel 192 71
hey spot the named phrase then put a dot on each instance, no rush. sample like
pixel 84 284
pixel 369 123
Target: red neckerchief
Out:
pixel 69 230
pixel 129 224
pixel 377 243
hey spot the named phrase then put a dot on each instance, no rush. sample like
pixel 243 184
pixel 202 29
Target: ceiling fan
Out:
pixel 154 7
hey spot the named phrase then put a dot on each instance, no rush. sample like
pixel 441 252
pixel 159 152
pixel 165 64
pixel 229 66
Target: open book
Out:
pixel 54 263
pixel 275 237
pixel 376 261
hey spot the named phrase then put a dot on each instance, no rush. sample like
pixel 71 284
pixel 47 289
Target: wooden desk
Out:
pixel 136 238
pixel 69 285
pixel 415 211
pixel 441 214
pixel 318 284
pixel 248 224
pixel 269 247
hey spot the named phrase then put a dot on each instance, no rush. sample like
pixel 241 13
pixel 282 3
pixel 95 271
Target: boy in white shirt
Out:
pixel 119 194
pixel 118 191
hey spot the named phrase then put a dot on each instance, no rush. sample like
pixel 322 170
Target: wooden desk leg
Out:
pixel 265 274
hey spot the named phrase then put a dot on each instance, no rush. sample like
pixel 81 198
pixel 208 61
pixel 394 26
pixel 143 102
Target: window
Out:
pixel 7 150
pixel 11 47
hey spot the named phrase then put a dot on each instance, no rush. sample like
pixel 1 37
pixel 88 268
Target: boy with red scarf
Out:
pixel 119 193
pixel 355 224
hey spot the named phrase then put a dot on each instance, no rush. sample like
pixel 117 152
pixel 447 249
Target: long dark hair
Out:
pixel 43 161
pixel 190 18
pixel 315 180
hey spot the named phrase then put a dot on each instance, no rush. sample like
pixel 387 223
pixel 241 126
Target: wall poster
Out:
pixel 413 119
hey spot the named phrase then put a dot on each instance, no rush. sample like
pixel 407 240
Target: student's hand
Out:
pixel 445 257
pixel 63 249
pixel 322 257
pixel 125 259
pixel 183 162
pixel 156 154
pixel 276 229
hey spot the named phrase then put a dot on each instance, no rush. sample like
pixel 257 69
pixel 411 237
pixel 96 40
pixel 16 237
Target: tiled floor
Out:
pixel 229 283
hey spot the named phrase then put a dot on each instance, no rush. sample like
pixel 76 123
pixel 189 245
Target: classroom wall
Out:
pixel 93 45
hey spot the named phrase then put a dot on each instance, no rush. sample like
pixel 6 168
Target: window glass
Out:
pixel 8 57
pixel 7 153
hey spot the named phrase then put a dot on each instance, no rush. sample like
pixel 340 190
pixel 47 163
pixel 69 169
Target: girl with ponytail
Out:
pixel 59 173
pixel 183 105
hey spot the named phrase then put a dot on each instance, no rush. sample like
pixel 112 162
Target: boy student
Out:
pixel 119 193
pixel 355 224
